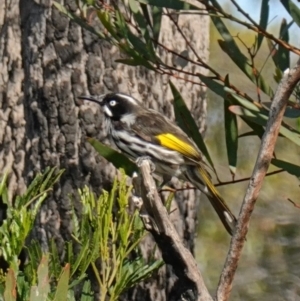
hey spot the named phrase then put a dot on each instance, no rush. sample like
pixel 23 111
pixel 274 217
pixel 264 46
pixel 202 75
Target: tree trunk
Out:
pixel 46 61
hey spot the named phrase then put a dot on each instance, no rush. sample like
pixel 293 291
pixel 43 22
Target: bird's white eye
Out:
pixel 112 103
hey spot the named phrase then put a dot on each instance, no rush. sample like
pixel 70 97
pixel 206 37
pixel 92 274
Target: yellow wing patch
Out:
pixel 172 142
pixel 207 180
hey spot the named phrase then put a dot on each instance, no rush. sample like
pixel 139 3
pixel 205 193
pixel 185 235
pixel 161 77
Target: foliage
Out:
pixel 103 243
pixel 134 28
pixel 21 214
pixel 135 32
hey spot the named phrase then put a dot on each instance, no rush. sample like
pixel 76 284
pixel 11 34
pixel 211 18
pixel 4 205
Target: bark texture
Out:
pixel 46 61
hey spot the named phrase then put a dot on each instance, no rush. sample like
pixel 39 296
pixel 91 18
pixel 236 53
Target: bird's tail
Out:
pixel 200 178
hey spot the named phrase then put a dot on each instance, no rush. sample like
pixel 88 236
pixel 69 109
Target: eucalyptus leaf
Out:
pixel 231 136
pixel 283 53
pixel 264 17
pixel 291 168
pixel 172 4
pixel 261 119
pixel 186 121
pixel 292 9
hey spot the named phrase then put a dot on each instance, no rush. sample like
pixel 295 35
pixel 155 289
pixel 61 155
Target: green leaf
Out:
pixel 261 119
pixel 230 47
pixel 231 136
pixel 157 18
pixel 133 5
pixel 244 64
pixel 87 292
pixel 292 9
pixel 145 10
pixel 283 54
pixel 212 85
pixel 4 189
pixel 257 129
pixel 187 123
pixel 290 112
pixel 107 22
pixel 291 168
pixel 114 157
pixel 254 106
pixel 139 19
pixel 263 23
pixel 173 4
pixel 62 285
pixel 229 42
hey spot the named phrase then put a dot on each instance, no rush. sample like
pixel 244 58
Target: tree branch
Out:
pixel 190 282
pixel 285 88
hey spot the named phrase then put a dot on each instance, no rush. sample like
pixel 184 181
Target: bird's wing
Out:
pixel 155 128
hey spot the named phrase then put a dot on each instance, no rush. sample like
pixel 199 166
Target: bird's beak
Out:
pixel 97 99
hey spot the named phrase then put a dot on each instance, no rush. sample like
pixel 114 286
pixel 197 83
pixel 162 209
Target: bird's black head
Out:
pixel 115 105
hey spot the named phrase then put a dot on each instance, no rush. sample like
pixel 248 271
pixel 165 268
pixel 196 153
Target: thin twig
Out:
pixel 221 183
pixel 221 13
pixel 247 179
pixel 285 88
pixel 295 204
pixel 245 14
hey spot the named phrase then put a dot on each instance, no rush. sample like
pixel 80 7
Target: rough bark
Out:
pixel 46 61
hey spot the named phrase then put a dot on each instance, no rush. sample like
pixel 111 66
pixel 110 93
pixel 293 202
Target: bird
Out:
pixel 141 132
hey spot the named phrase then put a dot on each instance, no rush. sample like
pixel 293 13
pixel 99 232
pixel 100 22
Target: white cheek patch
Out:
pixel 107 111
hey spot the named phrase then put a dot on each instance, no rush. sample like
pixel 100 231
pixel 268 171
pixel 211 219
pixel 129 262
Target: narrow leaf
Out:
pixel 264 16
pixel 62 285
pixel 231 136
pixel 290 112
pixel 257 129
pixel 106 21
pixel 130 62
pixel 291 168
pixel 283 53
pixel 114 157
pixel 187 123
pixel 212 85
pixel 253 106
pixel 146 14
pixel 261 119
pixel 243 63
pixel 292 9
pixel 157 17
pixel 173 4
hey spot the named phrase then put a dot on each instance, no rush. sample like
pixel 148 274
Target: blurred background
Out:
pixel 270 266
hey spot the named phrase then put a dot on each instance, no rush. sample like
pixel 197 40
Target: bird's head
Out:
pixel 116 106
